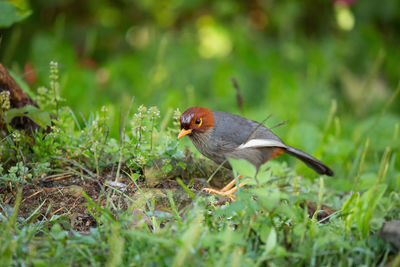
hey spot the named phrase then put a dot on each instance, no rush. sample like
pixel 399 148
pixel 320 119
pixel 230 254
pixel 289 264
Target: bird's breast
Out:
pixel 205 145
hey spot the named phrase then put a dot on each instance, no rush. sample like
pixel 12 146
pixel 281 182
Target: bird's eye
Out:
pixel 198 121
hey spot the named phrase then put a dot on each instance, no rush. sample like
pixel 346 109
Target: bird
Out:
pixel 220 135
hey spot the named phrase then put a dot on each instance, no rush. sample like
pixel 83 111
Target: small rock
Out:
pixel 390 232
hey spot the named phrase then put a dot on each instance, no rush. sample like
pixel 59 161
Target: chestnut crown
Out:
pixel 197 119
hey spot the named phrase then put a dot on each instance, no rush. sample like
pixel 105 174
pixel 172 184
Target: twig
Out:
pixel 216 170
pixel 255 129
pixel 54 212
pixel 38 192
pixel 92 175
pixel 34 194
pixel 239 98
pixel 58 177
pixel 279 124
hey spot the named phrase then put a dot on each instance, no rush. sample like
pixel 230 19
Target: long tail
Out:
pixel 310 161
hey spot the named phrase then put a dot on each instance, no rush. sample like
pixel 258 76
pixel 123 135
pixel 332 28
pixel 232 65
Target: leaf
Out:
pixel 369 201
pixel 9 14
pixel 271 241
pixel 243 167
pixel 40 117
pixel 21 82
pixel 349 208
pixel 269 199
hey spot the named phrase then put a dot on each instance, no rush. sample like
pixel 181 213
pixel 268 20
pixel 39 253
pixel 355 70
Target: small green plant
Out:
pixel 49 99
pixel 4 105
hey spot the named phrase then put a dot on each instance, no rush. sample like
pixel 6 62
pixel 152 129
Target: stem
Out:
pixel 140 131
pixel 151 135
pixel 140 135
pixel 1 118
pixel 122 139
pixel 96 160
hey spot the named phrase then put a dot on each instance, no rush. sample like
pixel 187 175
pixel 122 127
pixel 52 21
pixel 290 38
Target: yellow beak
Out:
pixel 184 132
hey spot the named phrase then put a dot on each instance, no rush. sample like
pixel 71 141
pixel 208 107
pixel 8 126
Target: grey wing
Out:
pixel 228 140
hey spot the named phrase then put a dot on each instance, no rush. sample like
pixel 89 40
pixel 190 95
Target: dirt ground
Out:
pixel 62 194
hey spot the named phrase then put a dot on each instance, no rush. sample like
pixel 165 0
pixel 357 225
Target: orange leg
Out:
pixel 228 190
pixel 231 184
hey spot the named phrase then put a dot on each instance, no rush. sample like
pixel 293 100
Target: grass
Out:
pixel 111 185
pixel 280 218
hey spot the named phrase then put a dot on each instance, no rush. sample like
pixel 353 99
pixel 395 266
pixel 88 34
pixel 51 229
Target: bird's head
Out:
pixel 196 120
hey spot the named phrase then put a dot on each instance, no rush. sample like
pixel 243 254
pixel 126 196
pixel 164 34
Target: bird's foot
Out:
pixel 228 190
pixel 228 194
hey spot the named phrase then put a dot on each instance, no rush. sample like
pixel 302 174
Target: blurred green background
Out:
pixel 297 60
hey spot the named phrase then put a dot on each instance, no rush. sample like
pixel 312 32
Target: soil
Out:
pixel 62 194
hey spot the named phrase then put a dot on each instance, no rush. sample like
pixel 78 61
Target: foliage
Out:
pixel 12 12
pixel 267 224
pixel 40 117
pixel 329 67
